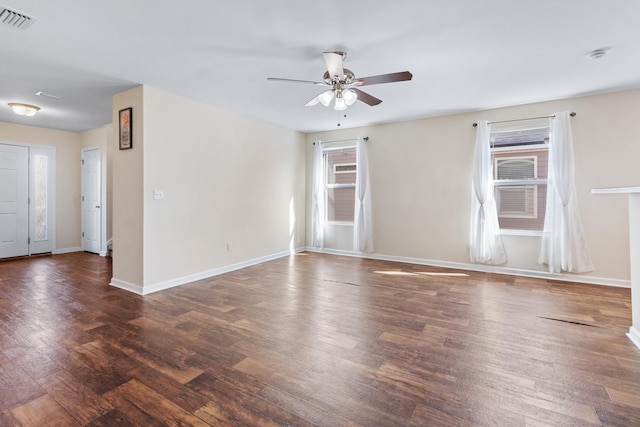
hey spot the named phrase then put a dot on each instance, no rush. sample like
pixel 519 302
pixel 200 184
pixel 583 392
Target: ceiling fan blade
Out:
pixel 334 63
pixel 366 98
pixel 383 78
pixel 314 101
pixel 276 79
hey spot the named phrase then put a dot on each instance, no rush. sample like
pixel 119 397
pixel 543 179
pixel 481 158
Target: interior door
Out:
pixel 14 201
pixel 91 201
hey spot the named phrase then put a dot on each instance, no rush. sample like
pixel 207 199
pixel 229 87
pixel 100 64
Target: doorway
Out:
pixel 27 200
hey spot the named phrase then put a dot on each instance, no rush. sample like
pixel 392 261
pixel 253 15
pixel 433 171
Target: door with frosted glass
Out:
pixel 42 206
pixel 14 201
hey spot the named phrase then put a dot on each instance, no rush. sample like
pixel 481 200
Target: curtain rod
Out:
pixel 572 114
pixel 366 138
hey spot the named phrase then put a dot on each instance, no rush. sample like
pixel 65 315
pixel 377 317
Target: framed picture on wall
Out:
pixel 125 128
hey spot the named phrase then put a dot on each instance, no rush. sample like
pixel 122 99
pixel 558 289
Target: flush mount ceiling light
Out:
pixel 24 109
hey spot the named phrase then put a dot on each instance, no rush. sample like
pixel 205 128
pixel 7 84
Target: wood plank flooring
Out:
pixel 312 340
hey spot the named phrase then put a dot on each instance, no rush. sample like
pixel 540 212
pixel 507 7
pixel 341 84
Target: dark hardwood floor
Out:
pixel 313 340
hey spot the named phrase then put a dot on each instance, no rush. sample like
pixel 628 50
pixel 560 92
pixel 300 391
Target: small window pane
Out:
pixel 523 168
pixel 518 202
pixel 340 204
pixel 345 168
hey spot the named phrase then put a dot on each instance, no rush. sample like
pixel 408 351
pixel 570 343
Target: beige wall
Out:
pixel 420 175
pixel 67 145
pixel 128 188
pixel 225 178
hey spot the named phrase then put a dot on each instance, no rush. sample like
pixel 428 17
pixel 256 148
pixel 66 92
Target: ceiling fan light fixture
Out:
pixel 340 104
pixel 349 96
pixel 24 109
pixel 326 97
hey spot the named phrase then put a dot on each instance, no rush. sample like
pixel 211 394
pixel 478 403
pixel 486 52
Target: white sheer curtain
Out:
pixel 563 243
pixel 317 202
pixel 485 242
pixel 362 229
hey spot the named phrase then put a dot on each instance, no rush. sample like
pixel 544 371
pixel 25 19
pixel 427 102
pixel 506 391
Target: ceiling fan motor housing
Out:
pixel 345 79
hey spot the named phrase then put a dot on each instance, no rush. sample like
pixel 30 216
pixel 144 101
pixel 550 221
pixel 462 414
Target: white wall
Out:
pixel 67 145
pixel 225 178
pixel 420 173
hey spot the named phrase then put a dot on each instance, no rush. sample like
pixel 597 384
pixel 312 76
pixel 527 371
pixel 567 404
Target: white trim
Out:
pixel 26 144
pixel 66 250
pixel 339 223
pixel 161 286
pixel 593 280
pixel 337 146
pixel 419 261
pixel 529 233
pixel 334 186
pixel 136 289
pixel 634 336
pixel 615 190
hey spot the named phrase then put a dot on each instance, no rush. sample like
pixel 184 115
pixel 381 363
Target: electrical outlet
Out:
pixel 158 195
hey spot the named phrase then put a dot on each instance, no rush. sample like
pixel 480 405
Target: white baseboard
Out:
pixel 136 289
pixel 160 286
pixel 634 336
pixel 566 277
pixel 66 250
pixel 148 289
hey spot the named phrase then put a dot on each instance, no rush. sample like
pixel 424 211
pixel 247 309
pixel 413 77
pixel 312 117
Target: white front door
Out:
pixel 14 201
pixel 91 201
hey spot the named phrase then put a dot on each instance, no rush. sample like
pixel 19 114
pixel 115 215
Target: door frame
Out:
pixel 103 199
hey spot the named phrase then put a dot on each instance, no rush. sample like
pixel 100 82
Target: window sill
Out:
pixel 530 233
pixel 347 223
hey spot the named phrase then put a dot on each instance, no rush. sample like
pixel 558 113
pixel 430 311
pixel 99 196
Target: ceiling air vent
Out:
pixel 15 19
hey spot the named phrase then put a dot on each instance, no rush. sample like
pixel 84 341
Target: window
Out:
pixel 40 197
pixel 340 173
pixel 520 164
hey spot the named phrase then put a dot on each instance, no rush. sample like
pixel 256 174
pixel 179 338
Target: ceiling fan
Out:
pixel 343 84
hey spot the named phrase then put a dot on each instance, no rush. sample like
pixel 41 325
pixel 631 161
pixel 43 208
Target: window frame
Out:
pixel 520 150
pixel 327 186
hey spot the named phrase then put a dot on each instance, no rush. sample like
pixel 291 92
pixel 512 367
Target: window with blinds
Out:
pixel 520 164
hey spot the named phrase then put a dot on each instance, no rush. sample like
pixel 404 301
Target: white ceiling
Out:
pixel 464 54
